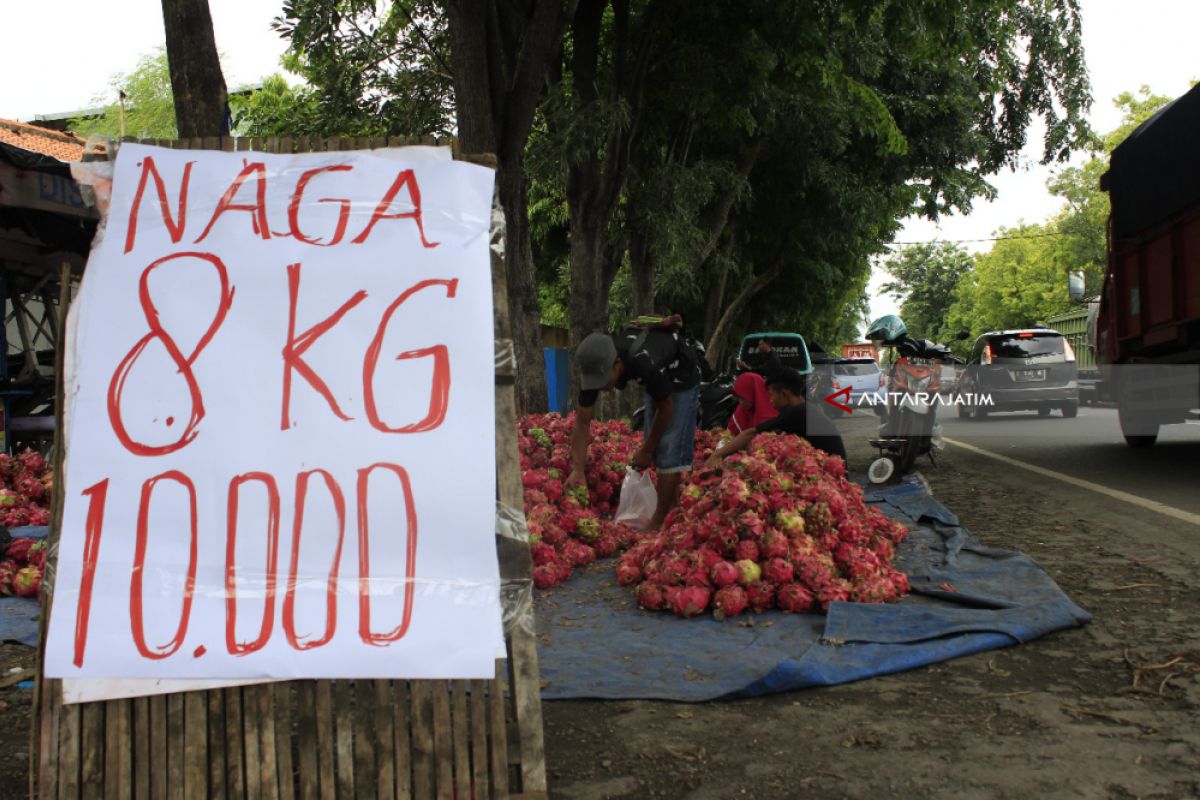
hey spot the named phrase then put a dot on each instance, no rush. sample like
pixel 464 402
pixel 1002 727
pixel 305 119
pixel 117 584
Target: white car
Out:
pixel 866 381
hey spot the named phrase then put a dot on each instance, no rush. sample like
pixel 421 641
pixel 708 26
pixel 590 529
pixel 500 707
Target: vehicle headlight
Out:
pixel 919 385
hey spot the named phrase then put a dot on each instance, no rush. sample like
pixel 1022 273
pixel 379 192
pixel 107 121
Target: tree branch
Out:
pixel 717 342
pixel 721 213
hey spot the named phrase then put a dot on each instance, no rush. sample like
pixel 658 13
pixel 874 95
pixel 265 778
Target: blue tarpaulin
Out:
pixel 19 615
pixel 595 643
pixel 19 620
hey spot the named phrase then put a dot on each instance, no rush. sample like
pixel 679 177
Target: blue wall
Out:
pixel 556 378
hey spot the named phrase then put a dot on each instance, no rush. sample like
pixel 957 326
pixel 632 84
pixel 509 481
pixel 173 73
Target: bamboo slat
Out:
pixel 401 717
pixel 366 775
pixel 385 752
pixel 195 746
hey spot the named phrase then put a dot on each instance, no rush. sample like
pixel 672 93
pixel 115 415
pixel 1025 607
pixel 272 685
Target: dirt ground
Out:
pixel 1105 711
pixel 14 722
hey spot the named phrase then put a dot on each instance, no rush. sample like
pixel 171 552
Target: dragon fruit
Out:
pixel 543 553
pixel 32 462
pixel 774 545
pixel 37 554
pixel 691 601
pixel 729 602
pixel 650 596
pixel 747 550
pixel 778 570
pixel 27 581
pixel 725 573
pixel 761 595
pixel 18 549
pixel 628 574
pixel 748 571
pixel 588 529
pixel 793 598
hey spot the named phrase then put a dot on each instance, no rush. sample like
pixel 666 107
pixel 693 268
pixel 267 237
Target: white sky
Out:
pixel 58 58
pixel 65 66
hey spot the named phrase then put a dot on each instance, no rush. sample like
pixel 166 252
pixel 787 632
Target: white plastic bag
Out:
pixel 639 499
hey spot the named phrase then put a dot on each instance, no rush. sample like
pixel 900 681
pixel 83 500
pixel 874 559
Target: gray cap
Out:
pixel 595 355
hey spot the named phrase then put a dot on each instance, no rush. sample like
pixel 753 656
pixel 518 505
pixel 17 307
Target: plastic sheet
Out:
pixel 595 643
pixel 510 523
pixel 516 594
pixel 506 355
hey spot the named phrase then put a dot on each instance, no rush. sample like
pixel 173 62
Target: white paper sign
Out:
pixel 280 423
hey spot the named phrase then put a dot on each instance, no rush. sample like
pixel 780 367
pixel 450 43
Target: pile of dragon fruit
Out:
pixel 571 528
pixel 21 569
pixel 25 485
pixel 780 526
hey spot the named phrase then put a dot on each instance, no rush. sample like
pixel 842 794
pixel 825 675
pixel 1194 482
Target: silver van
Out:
pixel 1021 370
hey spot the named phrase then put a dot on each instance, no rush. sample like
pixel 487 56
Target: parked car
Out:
pixel 1021 370
pixel 866 381
pixel 790 347
pixel 809 359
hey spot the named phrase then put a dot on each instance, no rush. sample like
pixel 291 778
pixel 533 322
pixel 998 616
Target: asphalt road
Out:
pixel 1090 447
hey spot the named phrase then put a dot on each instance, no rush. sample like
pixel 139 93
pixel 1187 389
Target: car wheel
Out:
pixel 1070 410
pixel 1139 430
pixel 981 414
pixel 963 412
pixel 1045 412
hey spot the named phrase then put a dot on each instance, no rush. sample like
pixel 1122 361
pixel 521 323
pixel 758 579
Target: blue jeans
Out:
pixel 677 447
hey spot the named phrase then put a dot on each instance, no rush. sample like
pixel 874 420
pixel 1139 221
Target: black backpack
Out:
pixel 688 348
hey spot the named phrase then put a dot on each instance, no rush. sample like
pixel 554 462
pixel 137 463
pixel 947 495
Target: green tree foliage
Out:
pixel 149 104
pixel 376 69
pixel 1020 281
pixel 1023 279
pixel 740 163
pixel 927 276
pixel 276 108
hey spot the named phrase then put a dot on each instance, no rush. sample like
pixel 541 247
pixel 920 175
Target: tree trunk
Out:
pixel 467 27
pixel 587 306
pixel 641 268
pixel 596 179
pixel 497 82
pixel 196 80
pixel 716 342
pixel 523 304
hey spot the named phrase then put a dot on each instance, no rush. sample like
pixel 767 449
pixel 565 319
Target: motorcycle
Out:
pixel 910 426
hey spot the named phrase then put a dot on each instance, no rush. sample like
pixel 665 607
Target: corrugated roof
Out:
pixel 56 144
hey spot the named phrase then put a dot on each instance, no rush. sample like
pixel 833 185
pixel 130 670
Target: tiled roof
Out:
pixel 63 146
